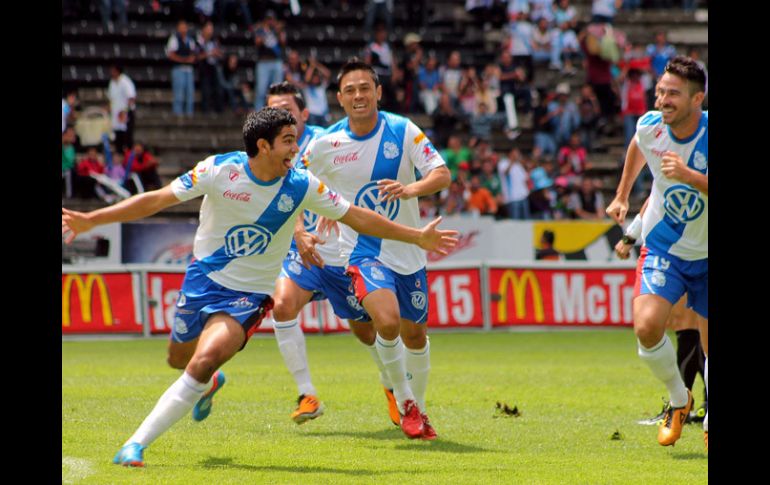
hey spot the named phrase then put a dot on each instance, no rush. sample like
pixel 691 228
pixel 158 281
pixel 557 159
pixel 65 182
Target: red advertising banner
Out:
pixel 455 298
pixel 561 296
pixel 99 303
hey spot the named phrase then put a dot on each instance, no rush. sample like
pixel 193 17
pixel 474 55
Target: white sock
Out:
pixel 418 367
pixel 177 401
pixel 291 343
pixel 384 378
pixel 661 359
pixel 392 356
pixel 706 381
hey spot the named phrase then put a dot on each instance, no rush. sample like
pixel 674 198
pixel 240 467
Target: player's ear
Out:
pixel 339 98
pixel 305 115
pixel 263 146
pixel 699 97
pixel 379 92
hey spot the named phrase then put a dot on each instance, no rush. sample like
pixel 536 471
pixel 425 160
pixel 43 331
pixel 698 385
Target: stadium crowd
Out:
pixel 468 105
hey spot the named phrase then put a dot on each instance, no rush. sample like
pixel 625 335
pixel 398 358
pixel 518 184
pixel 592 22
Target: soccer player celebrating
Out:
pixel 301 282
pixel 246 221
pixel 674 260
pixel 371 157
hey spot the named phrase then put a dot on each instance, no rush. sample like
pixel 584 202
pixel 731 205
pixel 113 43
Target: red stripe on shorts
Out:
pixel 359 286
pixel 639 266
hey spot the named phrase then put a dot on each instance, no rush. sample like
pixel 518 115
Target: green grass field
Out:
pixel 574 389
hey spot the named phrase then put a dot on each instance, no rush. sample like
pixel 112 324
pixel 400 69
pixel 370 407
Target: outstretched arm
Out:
pixel 437 179
pixel 135 207
pixel 634 163
pixel 429 238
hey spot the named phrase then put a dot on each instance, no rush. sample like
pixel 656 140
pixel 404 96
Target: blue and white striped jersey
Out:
pixel 246 225
pixel 676 219
pixel 352 165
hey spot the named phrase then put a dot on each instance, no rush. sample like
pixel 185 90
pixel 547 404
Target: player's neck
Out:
pixel 363 127
pixel 688 127
pixel 261 169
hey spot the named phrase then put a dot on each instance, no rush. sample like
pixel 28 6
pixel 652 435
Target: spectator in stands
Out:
pixel 542 42
pixel 143 163
pixel 68 105
pixel 633 101
pixel 410 70
pixel 294 69
pixel 603 11
pixel 541 191
pixel 121 94
pixel 205 10
pixel 491 180
pixel 565 117
pixel 513 80
pixel 561 195
pixel 566 46
pixel 588 203
pixel 108 7
pixel 546 251
pixel 573 159
pixel 270 39
pixel 480 200
pixel 660 53
pixel 232 85
pixel 630 5
pixel 545 142
pixel 67 158
pixel 518 42
pixel 514 182
pixel 445 120
pixel 210 69
pixel 378 9
pixel 429 85
pixel 598 71
pixel 379 55
pixel 182 50
pixel 91 163
pixel 428 206
pixel 489 87
pixel 453 199
pixel 451 75
pixel 483 123
pixel 590 112
pixel 317 80
pixel 456 153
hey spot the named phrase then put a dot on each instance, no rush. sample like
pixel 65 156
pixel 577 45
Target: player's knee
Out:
pixel 176 361
pixel 203 366
pixel 414 336
pixel 284 310
pixel 647 334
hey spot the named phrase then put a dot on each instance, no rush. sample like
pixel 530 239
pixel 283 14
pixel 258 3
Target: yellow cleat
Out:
pixel 308 407
pixel 395 416
pixel 674 418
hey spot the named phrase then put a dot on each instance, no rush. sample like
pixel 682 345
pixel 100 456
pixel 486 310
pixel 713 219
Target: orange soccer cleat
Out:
pixel 308 407
pixel 674 418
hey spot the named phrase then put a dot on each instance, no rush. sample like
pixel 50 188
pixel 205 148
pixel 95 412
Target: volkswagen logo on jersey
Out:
pixel 390 150
pixel 369 198
pixel 683 203
pixel 286 203
pixel 310 220
pixel 246 240
pixel 418 300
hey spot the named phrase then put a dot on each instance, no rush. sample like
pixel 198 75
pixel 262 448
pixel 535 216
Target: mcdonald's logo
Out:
pixel 85 293
pixel 519 284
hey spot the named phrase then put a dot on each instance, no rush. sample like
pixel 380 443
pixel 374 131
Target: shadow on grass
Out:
pixel 690 456
pixel 214 462
pixel 396 434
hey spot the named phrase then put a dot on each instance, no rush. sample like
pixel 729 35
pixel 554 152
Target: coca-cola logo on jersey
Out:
pixel 346 158
pixel 239 196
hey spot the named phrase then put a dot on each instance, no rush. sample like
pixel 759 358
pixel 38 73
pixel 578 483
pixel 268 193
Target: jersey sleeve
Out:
pixel 324 201
pixel 195 182
pixel 421 151
pixel 646 126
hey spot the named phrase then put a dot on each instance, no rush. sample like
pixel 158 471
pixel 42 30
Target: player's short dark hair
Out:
pixel 686 68
pixel 356 64
pixel 548 236
pixel 266 123
pixel 117 67
pixel 285 87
